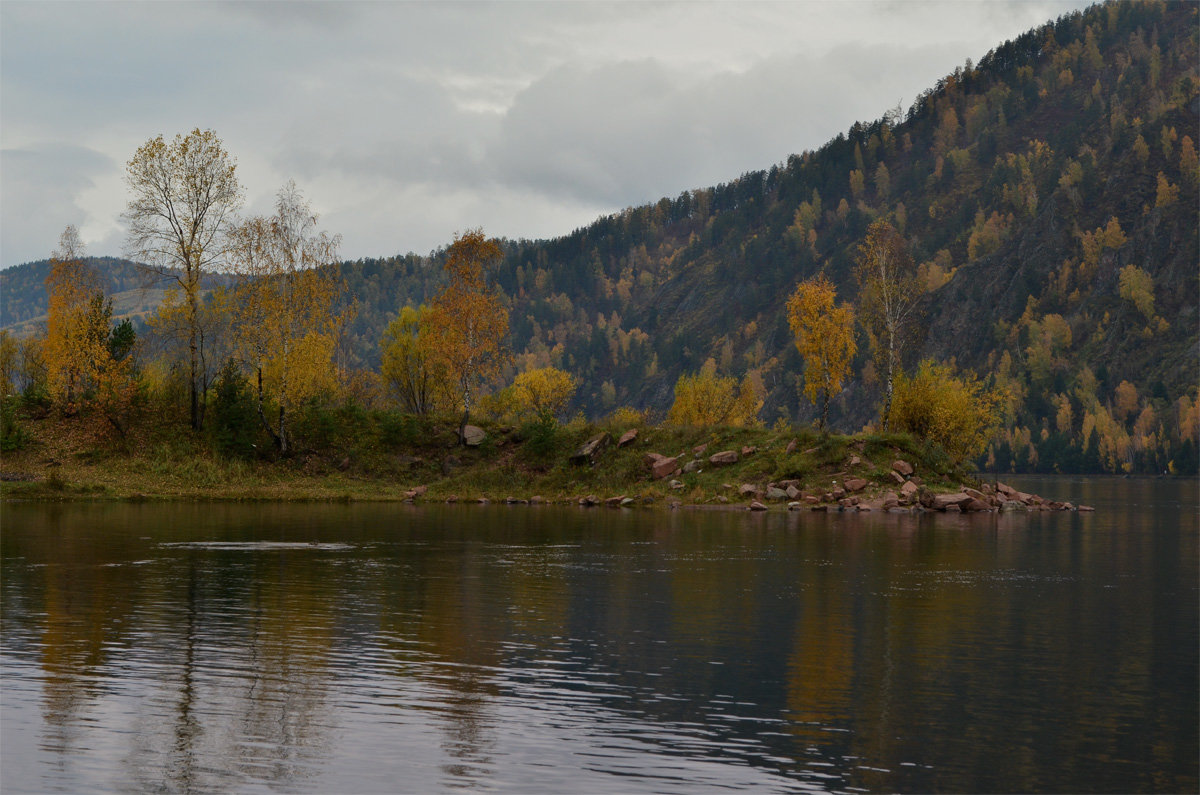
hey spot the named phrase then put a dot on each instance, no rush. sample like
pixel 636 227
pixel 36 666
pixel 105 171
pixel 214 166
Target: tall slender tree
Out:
pixel 74 342
pixel 889 296
pixel 184 195
pixel 285 312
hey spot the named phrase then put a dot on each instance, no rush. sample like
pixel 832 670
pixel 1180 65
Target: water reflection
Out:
pixel 382 648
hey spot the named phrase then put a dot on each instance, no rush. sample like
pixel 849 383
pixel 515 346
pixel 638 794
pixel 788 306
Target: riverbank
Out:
pixel 421 461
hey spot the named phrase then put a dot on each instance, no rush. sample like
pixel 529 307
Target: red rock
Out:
pixel 628 438
pixel 747 489
pixel 723 458
pixel 757 506
pixel 855 484
pixel 903 467
pixel 942 502
pixel 662 467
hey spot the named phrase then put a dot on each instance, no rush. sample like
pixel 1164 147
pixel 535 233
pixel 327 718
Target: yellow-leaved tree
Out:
pixel 75 328
pixel 707 399
pixel 285 310
pixel 89 364
pixel 825 338
pixel 412 375
pixel 468 323
pixel 957 411
pixel 184 195
pixel 542 394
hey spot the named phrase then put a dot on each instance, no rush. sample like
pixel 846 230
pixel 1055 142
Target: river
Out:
pixel 212 647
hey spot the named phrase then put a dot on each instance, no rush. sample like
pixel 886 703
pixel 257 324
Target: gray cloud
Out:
pixel 39 196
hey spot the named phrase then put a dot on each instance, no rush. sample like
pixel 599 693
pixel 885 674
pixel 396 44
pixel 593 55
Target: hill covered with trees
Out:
pixel 1047 197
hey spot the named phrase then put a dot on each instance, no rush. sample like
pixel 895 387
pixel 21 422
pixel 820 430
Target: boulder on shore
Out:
pixel 591 449
pixel 662 467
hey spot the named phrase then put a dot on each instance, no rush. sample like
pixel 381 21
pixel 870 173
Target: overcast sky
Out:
pixel 403 123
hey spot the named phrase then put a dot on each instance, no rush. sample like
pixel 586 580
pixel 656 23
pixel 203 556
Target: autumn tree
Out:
pixel 285 312
pixel 1137 287
pixel 74 341
pixel 412 374
pixel 824 334
pixel 706 399
pixel 184 195
pixel 468 323
pixel 889 293
pixel 542 393
pixel 955 410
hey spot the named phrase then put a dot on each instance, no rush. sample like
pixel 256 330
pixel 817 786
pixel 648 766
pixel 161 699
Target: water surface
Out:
pixel 368 648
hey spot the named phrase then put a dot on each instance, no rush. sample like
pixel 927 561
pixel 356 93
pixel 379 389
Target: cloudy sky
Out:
pixel 406 122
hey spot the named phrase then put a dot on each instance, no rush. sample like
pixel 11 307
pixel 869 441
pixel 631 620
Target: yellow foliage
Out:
pixel 706 399
pixel 1125 401
pixel 1166 193
pixel 824 337
pixel 411 373
pixel 955 411
pixel 286 316
pixel 1189 163
pixel 856 183
pixel 73 344
pixel 1137 287
pixel 987 234
pixel 627 417
pixel 542 393
pixel 468 322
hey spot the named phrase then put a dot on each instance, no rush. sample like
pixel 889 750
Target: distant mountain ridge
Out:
pixel 135 292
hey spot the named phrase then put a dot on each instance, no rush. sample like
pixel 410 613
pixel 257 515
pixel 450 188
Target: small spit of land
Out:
pixel 420 459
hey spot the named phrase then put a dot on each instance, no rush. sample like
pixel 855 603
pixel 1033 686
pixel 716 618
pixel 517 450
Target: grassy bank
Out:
pixel 381 456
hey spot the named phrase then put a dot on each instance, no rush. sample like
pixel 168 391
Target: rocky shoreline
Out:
pixel 904 491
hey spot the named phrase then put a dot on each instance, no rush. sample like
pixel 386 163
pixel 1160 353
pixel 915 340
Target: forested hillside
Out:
pixel 1048 195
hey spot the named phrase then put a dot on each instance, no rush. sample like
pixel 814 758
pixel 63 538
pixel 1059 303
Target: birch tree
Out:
pixel 285 310
pixel 889 293
pixel 73 344
pixel 184 195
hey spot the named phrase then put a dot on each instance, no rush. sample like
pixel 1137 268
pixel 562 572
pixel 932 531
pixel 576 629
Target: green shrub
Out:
pixel 12 435
pixel 236 428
